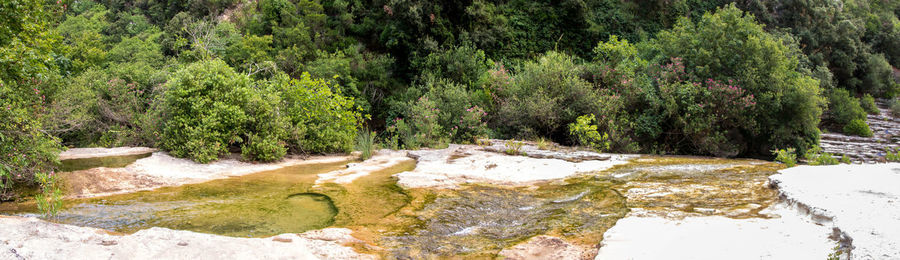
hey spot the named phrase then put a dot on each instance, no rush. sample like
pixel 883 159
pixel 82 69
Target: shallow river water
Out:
pixel 474 221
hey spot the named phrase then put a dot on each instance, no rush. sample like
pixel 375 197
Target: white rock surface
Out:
pixel 863 201
pixel 790 236
pixel 384 159
pixel 30 238
pixel 545 247
pixel 83 153
pixel 459 164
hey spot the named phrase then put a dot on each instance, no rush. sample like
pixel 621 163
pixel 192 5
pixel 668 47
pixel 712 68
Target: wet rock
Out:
pixel 84 153
pixel 383 159
pixel 546 247
pixel 460 164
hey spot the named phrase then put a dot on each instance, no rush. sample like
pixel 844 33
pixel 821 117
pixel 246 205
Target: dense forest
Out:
pixel 266 78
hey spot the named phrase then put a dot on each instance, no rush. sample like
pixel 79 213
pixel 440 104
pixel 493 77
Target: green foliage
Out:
pixel 513 147
pixel 815 156
pixel 543 98
pixel 204 110
pixel 420 128
pixel 894 106
pixel 320 120
pixel 585 133
pixel 729 44
pixel 844 108
pixel 49 201
pixel 365 144
pixel 892 156
pixel 867 102
pixel 845 159
pixel 26 65
pixel 858 127
pixel 786 156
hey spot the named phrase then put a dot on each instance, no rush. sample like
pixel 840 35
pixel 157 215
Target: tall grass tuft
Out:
pixel 365 143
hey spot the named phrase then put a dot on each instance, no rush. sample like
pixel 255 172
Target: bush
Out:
pixel 321 121
pixel 894 106
pixel 815 156
pixel 458 111
pixel 844 108
pixel 867 102
pixel 420 128
pixel 543 98
pixel 585 133
pixel 728 44
pixel 786 156
pixel 203 110
pixel 858 127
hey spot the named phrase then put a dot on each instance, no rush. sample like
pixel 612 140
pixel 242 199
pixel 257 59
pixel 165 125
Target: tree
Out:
pixel 729 44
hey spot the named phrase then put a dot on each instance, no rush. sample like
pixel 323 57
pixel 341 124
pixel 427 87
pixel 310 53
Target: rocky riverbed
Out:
pixel 470 201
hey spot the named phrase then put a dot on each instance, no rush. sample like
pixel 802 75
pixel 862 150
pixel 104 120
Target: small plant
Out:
pixel 786 156
pixel 894 105
pixel 365 144
pixel 892 156
pixel 858 127
pixel 845 159
pixel 513 147
pixel 836 254
pixel 815 156
pixel 49 201
pixel 585 133
pixel 544 144
pixel 868 104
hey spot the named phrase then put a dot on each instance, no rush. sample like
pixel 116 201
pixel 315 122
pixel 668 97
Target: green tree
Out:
pixel 729 44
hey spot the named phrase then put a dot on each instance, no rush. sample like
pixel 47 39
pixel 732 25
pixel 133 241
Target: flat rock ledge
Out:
pixel 531 149
pixel 787 235
pixel 860 202
pixel 31 238
pixel 85 153
pixel 383 160
pixel 461 164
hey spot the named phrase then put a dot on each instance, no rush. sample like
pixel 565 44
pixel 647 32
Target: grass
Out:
pixel 365 143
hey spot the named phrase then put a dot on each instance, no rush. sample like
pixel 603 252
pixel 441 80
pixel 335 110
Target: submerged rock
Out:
pixel 861 202
pixel 546 247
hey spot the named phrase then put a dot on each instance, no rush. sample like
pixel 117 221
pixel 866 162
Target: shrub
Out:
pixel 729 44
pixel 845 159
pixel 543 98
pixel 204 112
pixel 421 127
pixel 844 108
pixel 858 127
pixel 457 110
pixel 585 133
pixel 892 156
pixel 786 156
pixel 321 121
pixel 894 106
pixel 867 102
pixel 815 156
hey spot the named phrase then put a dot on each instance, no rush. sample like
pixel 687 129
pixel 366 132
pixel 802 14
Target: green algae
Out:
pixel 255 205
